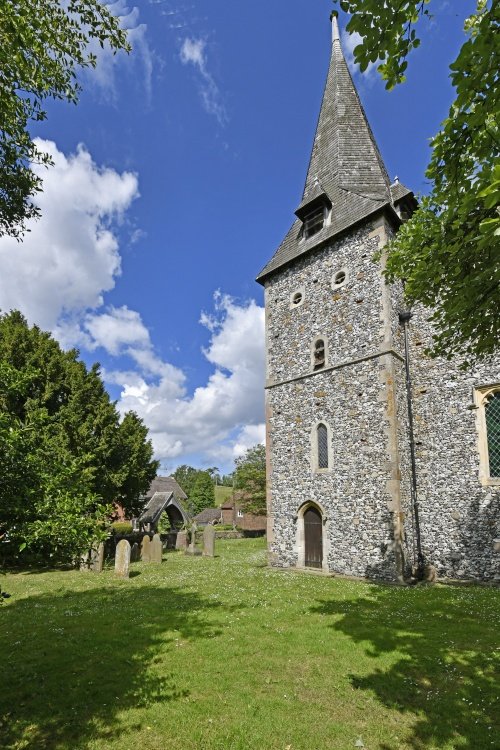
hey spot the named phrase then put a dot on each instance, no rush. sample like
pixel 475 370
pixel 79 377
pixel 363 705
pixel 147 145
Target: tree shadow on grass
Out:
pixel 441 647
pixel 73 661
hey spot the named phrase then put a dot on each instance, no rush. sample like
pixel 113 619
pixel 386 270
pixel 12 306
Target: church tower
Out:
pixel 334 480
pixel 342 457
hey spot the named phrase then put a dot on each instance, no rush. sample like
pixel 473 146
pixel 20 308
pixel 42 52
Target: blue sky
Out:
pixel 176 178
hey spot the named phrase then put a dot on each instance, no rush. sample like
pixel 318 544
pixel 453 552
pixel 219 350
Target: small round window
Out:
pixel 339 278
pixel 297 297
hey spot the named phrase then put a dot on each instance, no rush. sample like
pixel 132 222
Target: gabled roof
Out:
pixel 345 166
pixel 155 507
pixel 166 484
pixel 208 515
pixel 159 502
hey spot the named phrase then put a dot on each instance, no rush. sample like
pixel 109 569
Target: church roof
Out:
pixel 345 166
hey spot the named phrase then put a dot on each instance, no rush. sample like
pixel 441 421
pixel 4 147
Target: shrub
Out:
pixel 122 527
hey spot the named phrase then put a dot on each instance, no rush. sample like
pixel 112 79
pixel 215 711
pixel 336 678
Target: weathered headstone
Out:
pixel 209 541
pixel 146 548
pixel 93 561
pixel 97 559
pixel 122 559
pixel 156 549
pixel 192 549
pixel 182 540
pixel 135 553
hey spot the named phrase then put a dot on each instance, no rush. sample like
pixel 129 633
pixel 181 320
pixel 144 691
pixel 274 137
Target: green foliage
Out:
pixel 448 253
pixel 62 449
pixel 43 44
pixel 185 476
pixel 202 495
pixel 250 480
pixel 135 467
pixel 164 525
pixel 121 528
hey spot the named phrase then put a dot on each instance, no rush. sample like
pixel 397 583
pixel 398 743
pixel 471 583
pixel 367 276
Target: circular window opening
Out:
pixel 297 298
pixel 339 278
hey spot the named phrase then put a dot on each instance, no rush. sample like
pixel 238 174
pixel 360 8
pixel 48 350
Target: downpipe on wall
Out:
pixel 404 319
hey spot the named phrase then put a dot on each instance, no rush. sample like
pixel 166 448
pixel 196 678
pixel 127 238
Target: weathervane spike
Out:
pixel 335 27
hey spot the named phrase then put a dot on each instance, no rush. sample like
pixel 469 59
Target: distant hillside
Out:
pixel 222 494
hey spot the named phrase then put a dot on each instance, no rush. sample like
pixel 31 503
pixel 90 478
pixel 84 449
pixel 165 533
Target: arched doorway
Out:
pixel 313 538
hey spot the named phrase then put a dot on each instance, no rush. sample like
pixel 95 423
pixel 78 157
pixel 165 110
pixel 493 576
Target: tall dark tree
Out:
pixel 64 456
pixel 136 468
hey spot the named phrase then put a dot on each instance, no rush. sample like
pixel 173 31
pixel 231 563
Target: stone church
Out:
pixel 381 461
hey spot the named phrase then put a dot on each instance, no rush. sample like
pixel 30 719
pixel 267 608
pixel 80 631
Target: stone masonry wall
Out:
pixel 460 519
pixel 351 395
pixel 361 396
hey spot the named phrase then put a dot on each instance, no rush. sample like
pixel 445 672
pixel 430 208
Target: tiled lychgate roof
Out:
pixel 155 507
pixel 166 484
pixel 345 166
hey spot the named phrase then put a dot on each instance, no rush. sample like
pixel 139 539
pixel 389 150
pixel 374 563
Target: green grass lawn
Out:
pixel 227 654
pixel 222 494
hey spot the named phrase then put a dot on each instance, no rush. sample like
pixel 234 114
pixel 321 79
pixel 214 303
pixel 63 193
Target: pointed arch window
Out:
pixel 322 445
pixel 487 401
pixel 492 417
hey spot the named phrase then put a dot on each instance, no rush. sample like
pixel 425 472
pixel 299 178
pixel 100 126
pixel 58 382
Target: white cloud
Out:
pixel 70 257
pixel 58 276
pixel 222 418
pixel 349 42
pixel 193 53
pixel 104 74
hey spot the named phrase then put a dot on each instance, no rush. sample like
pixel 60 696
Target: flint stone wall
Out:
pixel 363 402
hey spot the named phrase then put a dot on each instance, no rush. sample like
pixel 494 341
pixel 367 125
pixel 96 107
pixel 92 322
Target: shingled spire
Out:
pixel 345 152
pixel 346 172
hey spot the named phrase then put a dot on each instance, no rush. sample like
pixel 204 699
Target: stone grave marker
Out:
pixel 97 559
pixel 122 559
pixel 156 549
pixel 146 548
pixel 135 553
pixel 182 540
pixel 209 541
pixel 192 549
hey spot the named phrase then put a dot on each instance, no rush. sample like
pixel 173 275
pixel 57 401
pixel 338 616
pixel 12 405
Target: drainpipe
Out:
pixel 404 319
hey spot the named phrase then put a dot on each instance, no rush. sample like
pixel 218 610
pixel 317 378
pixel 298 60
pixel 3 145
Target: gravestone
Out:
pixel 146 549
pixel 209 541
pixel 122 559
pixel 182 540
pixel 93 561
pixel 135 553
pixel 97 559
pixel 192 549
pixel 156 549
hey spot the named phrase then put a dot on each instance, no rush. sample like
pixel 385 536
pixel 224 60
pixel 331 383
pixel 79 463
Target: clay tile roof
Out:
pixel 208 515
pixel 166 484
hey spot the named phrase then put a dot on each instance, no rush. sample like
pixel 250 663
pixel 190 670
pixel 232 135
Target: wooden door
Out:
pixel 313 533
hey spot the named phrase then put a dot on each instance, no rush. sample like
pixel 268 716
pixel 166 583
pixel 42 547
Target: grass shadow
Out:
pixel 441 647
pixel 74 661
